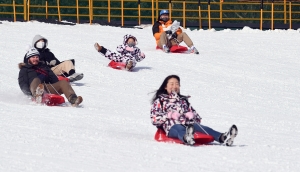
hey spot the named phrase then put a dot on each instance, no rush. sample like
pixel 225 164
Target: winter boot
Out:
pixel 39 93
pixel 229 136
pixel 194 50
pixel 97 47
pixel 74 100
pixel 76 77
pixel 188 138
pixel 129 65
pixel 166 49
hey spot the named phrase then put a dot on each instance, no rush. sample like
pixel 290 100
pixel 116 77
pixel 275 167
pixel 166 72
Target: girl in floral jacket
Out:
pixel 130 54
pixel 172 112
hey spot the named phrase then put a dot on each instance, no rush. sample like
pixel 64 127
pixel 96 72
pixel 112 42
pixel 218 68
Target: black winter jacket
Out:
pixel 28 72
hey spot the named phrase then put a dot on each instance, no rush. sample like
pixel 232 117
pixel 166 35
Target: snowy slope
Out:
pixel 246 77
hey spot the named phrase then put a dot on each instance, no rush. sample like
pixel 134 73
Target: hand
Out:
pixel 174 35
pixel 52 63
pixel 189 115
pixel 173 115
pixel 142 55
pixel 129 48
pixel 169 32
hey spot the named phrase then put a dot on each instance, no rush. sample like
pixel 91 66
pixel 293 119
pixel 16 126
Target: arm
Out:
pixel 155 30
pixel 121 48
pixel 138 55
pixel 158 117
pixel 23 82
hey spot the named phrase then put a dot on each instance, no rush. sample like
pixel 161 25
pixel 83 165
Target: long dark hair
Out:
pixel 162 89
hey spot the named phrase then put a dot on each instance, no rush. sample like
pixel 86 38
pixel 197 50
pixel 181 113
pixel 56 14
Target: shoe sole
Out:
pixel 97 47
pixel 233 131
pixel 78 101
pixel 77 78
pixel 190 135
pixel 39 93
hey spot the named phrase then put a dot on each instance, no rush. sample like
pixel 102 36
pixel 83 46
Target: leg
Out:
pixel 185 38
pixel 200 128
pixel 64 67
pixel 177 131
pixel 33 85
pixel 163 41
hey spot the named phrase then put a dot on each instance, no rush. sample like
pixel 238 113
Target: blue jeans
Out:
pixel 178 131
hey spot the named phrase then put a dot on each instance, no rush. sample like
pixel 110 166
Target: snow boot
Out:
pixel 39 93
pixel 129 65
pixel 229 136
pixel 194 50
pixel 166 49
pixel 97 47
pixel 76 77
pixel 188 138
pixel 74 100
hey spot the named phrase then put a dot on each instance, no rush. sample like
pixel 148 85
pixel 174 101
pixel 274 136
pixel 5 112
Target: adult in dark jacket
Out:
pixel 34 76
pixel 65 68
pixel 166 37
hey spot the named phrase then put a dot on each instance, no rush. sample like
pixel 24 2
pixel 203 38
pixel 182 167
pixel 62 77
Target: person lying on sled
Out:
pixel 64 68
pixel 174 114
pixel 35 75
pixel 130 54
pixel 165 37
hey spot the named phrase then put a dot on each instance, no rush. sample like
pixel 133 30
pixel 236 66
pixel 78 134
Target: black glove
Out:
pixel 168 32
pixel 174 35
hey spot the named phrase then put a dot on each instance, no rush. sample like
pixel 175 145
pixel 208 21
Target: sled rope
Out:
pixel 52 87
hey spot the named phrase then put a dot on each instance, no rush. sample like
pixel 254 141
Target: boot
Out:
pixel 39 93
pixel 229 136
pixel 97 47
pixel 76 77
pixel 188 138
pixel 74 100
pixel 129 65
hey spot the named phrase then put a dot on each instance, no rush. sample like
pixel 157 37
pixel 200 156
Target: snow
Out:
pixel 246 77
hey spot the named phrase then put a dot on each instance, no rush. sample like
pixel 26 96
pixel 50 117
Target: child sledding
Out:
pixel 129 55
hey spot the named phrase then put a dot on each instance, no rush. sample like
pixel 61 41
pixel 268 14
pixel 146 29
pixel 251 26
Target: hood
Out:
pixel 20 65
pixel 127 36
pixel 38 37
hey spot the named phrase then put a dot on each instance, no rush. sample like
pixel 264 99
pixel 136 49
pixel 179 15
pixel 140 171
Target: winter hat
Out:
pixel 32 52
pixel 163 12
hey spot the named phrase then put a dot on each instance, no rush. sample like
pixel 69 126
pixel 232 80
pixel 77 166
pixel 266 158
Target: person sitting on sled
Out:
pixel 34 75
pixel 173 112
pixel 130 54
pixel 65 68
pixel 166 38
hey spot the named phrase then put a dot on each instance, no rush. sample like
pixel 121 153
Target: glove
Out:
pixel 173 115
pixel 52 63
pixel 129 48
pixel 174 35
pixel 142 55
pixel 189 115
pixel 169 32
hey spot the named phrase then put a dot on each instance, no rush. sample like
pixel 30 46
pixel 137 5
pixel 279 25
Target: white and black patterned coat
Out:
pixel 172 102
pixel 125 55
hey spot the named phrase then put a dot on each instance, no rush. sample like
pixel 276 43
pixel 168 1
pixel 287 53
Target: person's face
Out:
pixel 173 85
pixel 34 60
pixel 164 17
pixel 131 42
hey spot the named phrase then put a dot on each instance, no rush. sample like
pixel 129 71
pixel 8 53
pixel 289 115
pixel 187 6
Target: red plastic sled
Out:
pixel 52 99
pixel 176 49
pixel 63 78
pixel 117 65
pixel 200 138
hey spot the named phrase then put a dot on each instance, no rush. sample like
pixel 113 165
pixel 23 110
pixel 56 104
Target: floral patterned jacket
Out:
pixel 172 102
